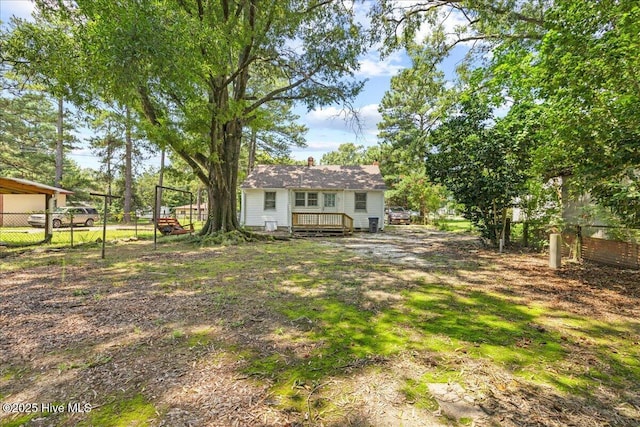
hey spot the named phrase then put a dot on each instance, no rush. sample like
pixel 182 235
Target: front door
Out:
pixel 329 202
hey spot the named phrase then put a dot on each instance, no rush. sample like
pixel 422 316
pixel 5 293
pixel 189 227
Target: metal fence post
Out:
pixel 71 219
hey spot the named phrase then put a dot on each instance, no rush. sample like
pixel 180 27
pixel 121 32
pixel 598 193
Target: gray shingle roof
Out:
pixel 316 177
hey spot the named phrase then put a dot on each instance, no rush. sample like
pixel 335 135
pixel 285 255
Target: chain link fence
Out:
pixel 28 228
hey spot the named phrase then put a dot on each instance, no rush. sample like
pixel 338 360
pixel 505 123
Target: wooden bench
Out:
pixel 171 226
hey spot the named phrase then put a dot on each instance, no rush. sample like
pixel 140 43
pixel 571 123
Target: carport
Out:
pixel 23 186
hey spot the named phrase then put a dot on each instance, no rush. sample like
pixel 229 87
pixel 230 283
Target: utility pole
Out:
pixel 59 144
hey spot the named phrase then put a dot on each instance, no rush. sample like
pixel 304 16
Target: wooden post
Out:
pixel 555 250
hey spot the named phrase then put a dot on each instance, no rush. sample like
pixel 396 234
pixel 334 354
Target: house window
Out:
pixel 361 201
pixel 329 200
pixel 269 200
pixel 306 199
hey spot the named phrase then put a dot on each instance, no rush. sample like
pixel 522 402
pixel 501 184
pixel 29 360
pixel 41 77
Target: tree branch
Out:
pixel 273 94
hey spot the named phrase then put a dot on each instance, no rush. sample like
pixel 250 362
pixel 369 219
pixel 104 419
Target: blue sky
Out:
pixel 327 127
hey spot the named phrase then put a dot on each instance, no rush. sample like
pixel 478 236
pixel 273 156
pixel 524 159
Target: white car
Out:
pixel 82 215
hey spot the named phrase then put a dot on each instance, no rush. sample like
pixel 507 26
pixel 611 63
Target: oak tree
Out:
pixel 200 71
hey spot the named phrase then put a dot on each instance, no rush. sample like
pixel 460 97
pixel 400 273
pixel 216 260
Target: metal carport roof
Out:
pixel 23 186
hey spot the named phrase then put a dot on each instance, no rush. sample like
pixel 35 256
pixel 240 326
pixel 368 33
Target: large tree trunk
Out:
pixel 223 181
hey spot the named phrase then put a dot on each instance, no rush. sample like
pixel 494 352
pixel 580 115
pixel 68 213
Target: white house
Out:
pixel 286 197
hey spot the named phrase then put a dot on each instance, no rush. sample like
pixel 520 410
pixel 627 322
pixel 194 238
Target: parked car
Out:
pixel 398 215
pixel 82 215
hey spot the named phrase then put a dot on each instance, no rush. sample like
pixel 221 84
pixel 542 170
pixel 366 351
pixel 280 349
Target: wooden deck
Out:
pixel 321 223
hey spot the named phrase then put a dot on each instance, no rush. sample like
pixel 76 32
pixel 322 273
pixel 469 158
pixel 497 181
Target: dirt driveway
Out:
pixel 414 246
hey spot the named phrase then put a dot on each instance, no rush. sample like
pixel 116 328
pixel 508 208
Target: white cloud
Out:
pixel 320 146
pixel 369 118
pixel 82 151
pixel 372 66
pixel 328 118
pixel 317 147
pixel 336 119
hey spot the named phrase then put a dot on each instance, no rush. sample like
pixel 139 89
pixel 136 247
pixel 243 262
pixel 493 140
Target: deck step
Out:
pixel 322 231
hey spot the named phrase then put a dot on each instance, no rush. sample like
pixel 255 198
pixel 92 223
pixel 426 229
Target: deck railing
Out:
pixel 322 221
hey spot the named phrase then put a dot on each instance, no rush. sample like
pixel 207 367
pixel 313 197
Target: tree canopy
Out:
pixel 569 63
pixel 199 72
pixel 205 77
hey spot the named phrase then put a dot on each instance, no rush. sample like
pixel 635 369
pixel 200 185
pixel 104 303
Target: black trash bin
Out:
pixel 373 224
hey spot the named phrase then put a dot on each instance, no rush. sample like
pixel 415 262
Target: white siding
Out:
pixel 375 208
pixel 320 208
pixel 253 212
pixel 254 215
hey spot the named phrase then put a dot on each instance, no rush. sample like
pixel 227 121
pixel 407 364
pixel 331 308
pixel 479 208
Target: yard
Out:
pixel 408 327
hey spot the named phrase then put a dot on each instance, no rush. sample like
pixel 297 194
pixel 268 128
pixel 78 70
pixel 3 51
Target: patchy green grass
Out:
pixel 123 411
pixel 455 225
pixel 22 420
pixel 302 320
pixel 418 393
pixel 66 237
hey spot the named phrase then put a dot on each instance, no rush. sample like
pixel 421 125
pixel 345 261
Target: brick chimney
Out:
pixel 310 161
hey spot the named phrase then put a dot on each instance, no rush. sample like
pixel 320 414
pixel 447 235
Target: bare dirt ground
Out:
pixel 605 294
pixel 111 336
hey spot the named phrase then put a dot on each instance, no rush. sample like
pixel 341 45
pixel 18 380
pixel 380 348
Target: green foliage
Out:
pixel 111 127
pixel 271 133
pixel 572 62
pixel 27 136
pixel 588 75
pixel 198 77
pixel 348 154
pixel 81 181
pixel 27 144
pixel 410 109
pixel 414 191
pixel 266 158
pixel 540 208
pixel 488 24
pixel 42 52
pixel 482 165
